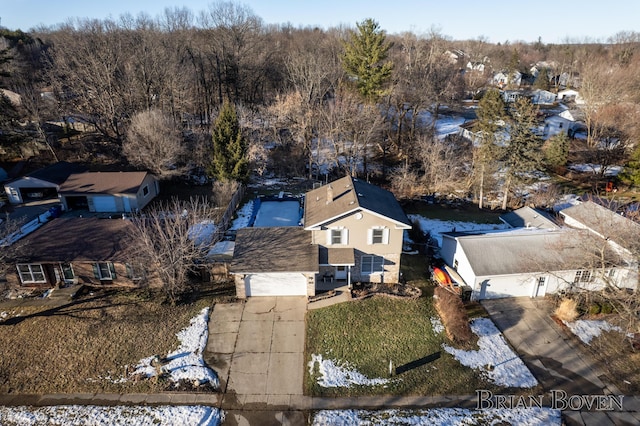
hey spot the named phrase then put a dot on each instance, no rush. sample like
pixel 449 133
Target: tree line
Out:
pixel 191 90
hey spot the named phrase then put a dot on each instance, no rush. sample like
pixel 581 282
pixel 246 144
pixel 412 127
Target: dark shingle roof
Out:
pixel 279 249
pixel 346 195
pixel 57 173
pixel 79 239
pixel 103 183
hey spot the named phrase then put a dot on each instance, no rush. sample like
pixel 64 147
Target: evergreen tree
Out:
pixel 556 151
pixel 364 59
pixel 229 147
pixel 523 152
pixel 542 80
pixel 631 172
pixel 491 112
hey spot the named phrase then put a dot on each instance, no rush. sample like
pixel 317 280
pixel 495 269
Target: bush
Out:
pixel 453 314
pixel 567 310
pixel 594 309
pixel 606 308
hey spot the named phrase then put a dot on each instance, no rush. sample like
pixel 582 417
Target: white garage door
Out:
pixel 104 204
pixel 506 286
pixel 276 284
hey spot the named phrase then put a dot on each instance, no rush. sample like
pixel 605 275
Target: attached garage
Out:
pixel 104 204
pixel 274 261
pixel 275 284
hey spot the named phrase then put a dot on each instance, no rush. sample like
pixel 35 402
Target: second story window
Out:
pixel 337 236
pixel 378 235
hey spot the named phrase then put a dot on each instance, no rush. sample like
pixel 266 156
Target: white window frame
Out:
pixel 30 274
pixel 372 263
pixel 103 277
pixel 342 232
pixel 384 238
pixel 73 274
pixel 583 276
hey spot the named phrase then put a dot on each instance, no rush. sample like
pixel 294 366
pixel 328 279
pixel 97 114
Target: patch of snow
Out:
pixel 587 330
pixel 437 227
pixel 440 416
pixel 596 169
pixel 495 359
pixel 185 363
pixel 244 216
pixel 436 325
pixel 202 233
pixel 567 201
pixel 116 415
pixel 333 375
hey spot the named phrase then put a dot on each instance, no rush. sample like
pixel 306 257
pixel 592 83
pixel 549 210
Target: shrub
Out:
pixel 606 308
pixel 567 310
pixel 594 309
pixel 453 314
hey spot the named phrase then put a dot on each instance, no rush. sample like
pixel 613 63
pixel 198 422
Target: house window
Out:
pixel 104 271
pixel 371 264
pixel 31 273
pixel 67 271
pixel 583 276
pixel 145 190
pixel 337 236
pixel 378 235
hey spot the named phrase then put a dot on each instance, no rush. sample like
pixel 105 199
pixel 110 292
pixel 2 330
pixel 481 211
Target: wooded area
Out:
pixel 145 92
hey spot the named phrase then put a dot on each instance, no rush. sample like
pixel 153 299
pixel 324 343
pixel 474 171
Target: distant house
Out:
pixel 503 79
pixel 353 231
pixel 568 122
pixel 108 192
pixel 534 260
pixel 543 97
pixel 88 251
pixel 41 184
pixel 570 95
pixel 476 66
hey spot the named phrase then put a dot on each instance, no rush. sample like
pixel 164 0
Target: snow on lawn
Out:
pixel 440 416
pixel 202 233
pixel 185 363
pixel 117 415
pixel 587 330
pixel 244 216
pixel 437 227
pixel 596 169
pixel 333 375
pixel 436 325
pixel 495 358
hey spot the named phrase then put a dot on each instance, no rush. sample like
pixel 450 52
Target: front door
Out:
pixel 341 272
pixel 540 287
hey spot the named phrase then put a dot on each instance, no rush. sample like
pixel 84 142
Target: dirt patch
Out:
pixel 400 291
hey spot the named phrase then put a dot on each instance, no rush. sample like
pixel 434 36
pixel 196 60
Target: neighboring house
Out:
pixel 88 251
pixel 533 261
pixel 570 95
pixel 353 231
pixel 502 79
pixel 476 66
pixel 567 122
pixel 527 217
pixel 108 192
pixel 41 184
pixel 543 97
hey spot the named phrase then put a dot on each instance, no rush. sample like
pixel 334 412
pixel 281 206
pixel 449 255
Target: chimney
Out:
pixel 329 193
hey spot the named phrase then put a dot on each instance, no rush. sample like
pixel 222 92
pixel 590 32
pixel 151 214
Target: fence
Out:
pixel 225 221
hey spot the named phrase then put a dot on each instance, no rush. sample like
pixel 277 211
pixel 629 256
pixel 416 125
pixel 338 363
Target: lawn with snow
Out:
pixel 437 227
pixel 333 375
pixel 440 416
pixel 278 213
pixel 587 330
pixel 185 363
pixel 117 415
pixel 495 359
pixel 243 217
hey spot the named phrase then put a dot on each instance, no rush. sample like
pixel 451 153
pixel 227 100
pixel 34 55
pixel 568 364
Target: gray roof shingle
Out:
pixel 103 183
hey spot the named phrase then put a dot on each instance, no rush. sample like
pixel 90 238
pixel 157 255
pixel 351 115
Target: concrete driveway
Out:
pixel 549 352
pixel 257 349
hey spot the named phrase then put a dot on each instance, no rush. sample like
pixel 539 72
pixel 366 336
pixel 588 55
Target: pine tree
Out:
pixel 543 81
pixel 491 112
pixel 556 151
pixel 229 147
pixel 364 59
pixel 523 153
pixel 631 172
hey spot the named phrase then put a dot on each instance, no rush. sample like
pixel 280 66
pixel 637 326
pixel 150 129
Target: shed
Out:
pixel 41 184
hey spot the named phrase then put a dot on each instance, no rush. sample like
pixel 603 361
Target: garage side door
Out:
pixel 276 284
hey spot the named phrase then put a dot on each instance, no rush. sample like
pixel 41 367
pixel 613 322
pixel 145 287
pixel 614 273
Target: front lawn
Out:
pixel 84 346
pixel 367 334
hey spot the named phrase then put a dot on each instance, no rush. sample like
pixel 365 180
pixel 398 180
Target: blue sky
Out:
pixel 495 20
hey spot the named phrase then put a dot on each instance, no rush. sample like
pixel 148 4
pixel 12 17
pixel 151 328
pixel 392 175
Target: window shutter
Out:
pixel 328 237
pixel 385 236
pixel 369 236
pixel 112 268
pixel 96 273
pixel 344 238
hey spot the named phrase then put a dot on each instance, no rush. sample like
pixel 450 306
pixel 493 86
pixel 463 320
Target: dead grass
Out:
pixel 567 310
pixel 454 316
pixel 85 346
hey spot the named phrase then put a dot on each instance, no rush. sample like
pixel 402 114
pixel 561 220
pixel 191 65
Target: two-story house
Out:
pixel 353 231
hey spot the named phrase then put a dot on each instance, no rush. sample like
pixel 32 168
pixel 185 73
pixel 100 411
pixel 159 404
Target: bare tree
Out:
pixel 154 142
pixel 445 163
pixel 10 244
pixel 171 240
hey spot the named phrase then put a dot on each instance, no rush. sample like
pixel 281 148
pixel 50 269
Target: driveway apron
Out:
pixel 257 348
pixel 547 350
